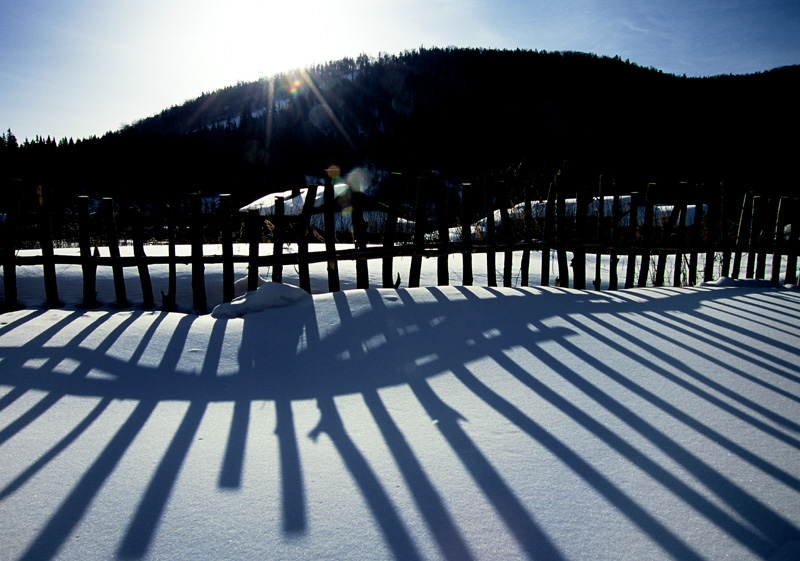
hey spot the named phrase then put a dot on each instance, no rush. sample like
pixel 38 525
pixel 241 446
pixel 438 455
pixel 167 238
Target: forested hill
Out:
pixel 462 112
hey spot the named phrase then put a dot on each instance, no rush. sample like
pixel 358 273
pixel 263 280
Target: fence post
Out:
pixel 723 230
pixel 766 238
pixel 8 243
pixel 793 242
pixel 579 233
pixel 360 243
pixel 740 235
pixel 548 229
pixel 713 221
pixel 680 239
pixel 88 262
pixel 466 234
pixel 613 258
pixel 277 240
pixel 419 236
pixel 199 302
pixel 491 262
pixel 113 250
pixel 647 235
pixel 696 238
pixel 442 267
pixel 168 299
pixel 302 238
pixel 634 230
pixel 598 258
pixel 48 254
pixel 360 240
pixel 793 217
pixel 226 238
pixel 329 201
pixel 141 261
pixel 666 235
pixel 253 227
pixel 527 228
pixel 389 231
pixel 508 236
pixel 561 236
pixel 778 239
pixel 753 238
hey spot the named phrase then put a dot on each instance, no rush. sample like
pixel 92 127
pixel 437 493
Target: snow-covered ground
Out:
pixel 432 423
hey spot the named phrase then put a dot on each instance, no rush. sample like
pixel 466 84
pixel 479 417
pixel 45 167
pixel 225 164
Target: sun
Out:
pixel 249 39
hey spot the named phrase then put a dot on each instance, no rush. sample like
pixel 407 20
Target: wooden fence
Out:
pixel 568 220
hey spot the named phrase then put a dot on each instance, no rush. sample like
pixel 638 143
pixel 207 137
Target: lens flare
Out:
pixel 294 86
pixel 320 116
pixel 358 180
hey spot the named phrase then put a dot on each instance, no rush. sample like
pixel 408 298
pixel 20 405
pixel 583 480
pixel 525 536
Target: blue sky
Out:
pixel 85 67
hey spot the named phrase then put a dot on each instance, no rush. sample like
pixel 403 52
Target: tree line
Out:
pixel 460 112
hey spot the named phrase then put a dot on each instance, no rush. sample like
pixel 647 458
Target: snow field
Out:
pixel 430 423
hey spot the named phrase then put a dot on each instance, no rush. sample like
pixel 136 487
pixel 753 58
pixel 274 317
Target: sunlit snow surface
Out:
pixel 434 423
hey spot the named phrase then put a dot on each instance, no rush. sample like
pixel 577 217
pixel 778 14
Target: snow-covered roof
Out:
pixel 293 201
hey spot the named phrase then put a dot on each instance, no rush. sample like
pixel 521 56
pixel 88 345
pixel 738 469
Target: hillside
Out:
pixel 462 112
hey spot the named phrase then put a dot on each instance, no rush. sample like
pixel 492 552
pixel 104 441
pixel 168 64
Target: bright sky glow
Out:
pixel 74 69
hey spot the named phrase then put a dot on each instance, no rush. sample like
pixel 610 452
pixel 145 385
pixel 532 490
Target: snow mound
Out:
pixel 240 286
pixel 268 295
pixel 751 283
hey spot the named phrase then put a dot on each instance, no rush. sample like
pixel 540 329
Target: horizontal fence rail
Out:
pixel 646 227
